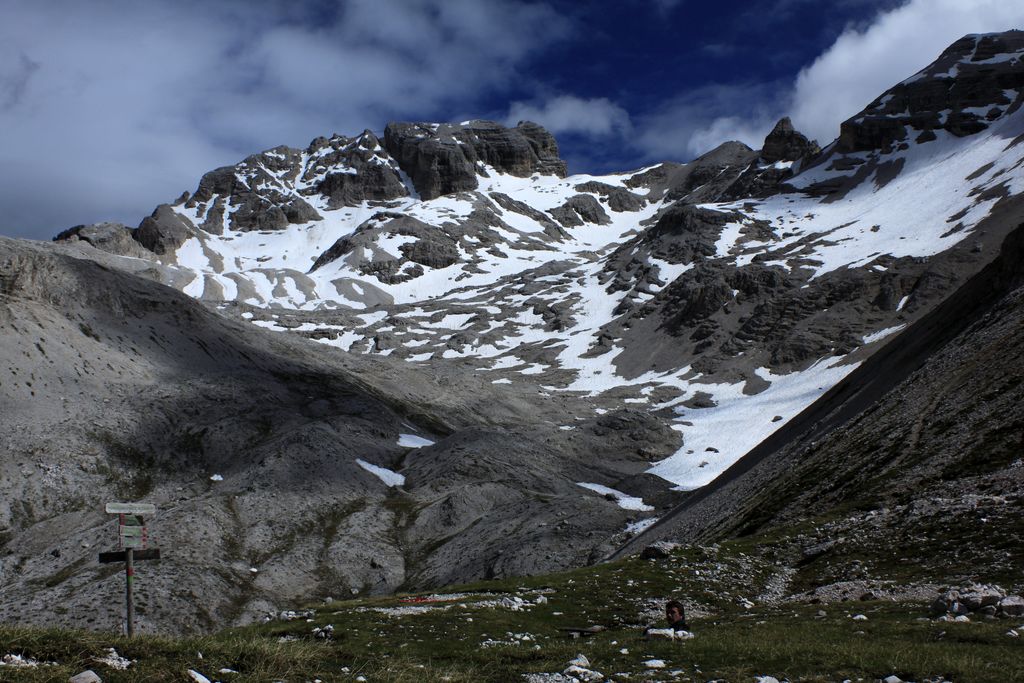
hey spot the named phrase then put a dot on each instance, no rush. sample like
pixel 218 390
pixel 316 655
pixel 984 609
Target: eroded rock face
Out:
pixel 274 189
pixel 115 238
pixel 349 170
pixel 257 189
pixel 961 92
pixel 445 158
pixel 580 209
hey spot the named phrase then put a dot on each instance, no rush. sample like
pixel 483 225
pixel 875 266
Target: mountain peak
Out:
pixel 785 143
pixel 975 81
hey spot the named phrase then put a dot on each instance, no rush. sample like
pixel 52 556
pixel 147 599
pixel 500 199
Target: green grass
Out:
pixel 788 640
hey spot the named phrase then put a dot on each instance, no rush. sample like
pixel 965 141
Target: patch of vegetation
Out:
pixel 499 630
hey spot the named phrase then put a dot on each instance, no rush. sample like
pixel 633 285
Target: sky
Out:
pixel 110 107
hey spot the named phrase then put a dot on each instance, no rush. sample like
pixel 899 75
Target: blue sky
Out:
pixel 110 107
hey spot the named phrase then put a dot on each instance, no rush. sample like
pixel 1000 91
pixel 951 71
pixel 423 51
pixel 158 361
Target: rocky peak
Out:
pixel 975 81
pixel 442 158
pixel 785 143
pixel 347 171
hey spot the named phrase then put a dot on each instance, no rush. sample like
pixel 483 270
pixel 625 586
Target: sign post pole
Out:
pixel 129 574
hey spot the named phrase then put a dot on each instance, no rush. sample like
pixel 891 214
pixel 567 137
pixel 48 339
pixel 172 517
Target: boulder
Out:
pixel 164 231
pixel 981 596
pixel 87 676
pixel 1011 606
pixel 658 551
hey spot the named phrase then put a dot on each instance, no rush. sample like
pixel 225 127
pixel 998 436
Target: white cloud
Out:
pixel 110 108
pixel 574 115
pixel 862 64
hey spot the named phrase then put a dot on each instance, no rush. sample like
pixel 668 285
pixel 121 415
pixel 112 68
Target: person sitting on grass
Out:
pixel 676 616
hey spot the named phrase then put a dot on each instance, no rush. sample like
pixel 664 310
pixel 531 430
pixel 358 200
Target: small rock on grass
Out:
pixel 655 663
pixel 581 661
pixel 87 676
pixel 197 677
pixel 582 674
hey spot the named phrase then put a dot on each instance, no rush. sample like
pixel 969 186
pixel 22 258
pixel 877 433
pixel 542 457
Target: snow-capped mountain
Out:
pixel 507 354
pixel 728 293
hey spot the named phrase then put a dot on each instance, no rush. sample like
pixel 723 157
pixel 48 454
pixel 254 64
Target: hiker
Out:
pixel 676 616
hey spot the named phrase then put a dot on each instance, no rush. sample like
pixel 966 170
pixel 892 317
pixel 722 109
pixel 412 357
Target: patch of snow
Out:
pixel 624 500
pixel 385 475
pixel 413 441
pixel 715 438
pixel 643 525
pixel 882 334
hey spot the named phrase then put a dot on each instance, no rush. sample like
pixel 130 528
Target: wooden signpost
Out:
pixel 132 541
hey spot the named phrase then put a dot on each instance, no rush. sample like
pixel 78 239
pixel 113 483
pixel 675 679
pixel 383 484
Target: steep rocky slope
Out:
pixel 115 387
pixel 917 455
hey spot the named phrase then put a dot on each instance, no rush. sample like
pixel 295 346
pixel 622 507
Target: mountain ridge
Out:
pixel 573 356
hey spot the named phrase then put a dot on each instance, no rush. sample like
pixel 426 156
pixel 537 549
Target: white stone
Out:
pixel 581 661
pixel 859 617
pixel 583 674
pixel 114 660
pixel 18 662
pixel 87 676
pixel 197 677
pixel 655 663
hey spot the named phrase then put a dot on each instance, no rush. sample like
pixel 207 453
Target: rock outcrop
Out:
pixel 445 158
pixel 975 81
pixel 114 238
pixel 164 231
pixel 785 143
